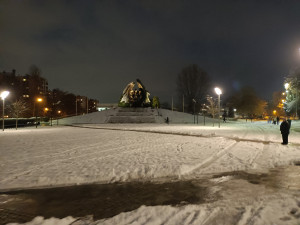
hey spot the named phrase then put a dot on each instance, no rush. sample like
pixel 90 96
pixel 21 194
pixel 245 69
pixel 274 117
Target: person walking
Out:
pixel 277 120
pixel 224 119
pixel 285 130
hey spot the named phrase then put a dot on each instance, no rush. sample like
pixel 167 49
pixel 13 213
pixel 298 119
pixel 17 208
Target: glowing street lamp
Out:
pixel 219 92
pixel 3 95
pixel 36 115
pixel 286 86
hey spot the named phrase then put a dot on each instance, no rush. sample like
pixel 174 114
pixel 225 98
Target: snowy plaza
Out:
pixel 226 159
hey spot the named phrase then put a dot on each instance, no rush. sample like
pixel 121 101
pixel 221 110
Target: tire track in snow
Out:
pixel 210 160
pixel 260 152
pixel 185 170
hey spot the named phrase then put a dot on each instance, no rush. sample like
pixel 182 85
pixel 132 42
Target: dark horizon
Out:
pixel 96 48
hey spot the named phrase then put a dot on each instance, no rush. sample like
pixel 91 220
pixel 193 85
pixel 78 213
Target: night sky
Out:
pixel 95 48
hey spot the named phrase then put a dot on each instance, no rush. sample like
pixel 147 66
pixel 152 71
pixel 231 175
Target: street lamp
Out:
pixel 194 110
pixel 3 95
pixel 219 92
pixel 36 115
pixel 286 86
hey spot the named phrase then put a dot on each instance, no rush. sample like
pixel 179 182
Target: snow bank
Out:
pixel 39 220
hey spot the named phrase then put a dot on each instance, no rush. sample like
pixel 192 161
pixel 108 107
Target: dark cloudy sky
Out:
pixel 95 48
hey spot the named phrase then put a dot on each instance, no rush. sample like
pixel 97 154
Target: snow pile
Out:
pixel 283 211
pixel 52 221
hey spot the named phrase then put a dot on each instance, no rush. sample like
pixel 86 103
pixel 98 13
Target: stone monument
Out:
pixel 135 97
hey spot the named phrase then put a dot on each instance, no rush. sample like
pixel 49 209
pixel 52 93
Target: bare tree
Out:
pixel 192 83
pixel 17 109
pixel 247 103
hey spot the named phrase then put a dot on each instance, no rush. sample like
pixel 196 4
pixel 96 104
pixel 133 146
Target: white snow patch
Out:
pixel 54 156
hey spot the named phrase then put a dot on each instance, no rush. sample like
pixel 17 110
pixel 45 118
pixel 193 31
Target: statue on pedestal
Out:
pixel 133 97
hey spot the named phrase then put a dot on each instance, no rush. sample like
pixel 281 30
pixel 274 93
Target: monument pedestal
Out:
pixel 133 115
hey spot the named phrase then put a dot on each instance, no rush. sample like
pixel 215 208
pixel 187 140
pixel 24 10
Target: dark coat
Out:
pixel 290 123
pixel 285 127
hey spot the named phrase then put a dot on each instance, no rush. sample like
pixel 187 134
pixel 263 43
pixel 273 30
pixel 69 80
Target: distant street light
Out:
pixel 219 92
pixel 3 95
pixel 286 86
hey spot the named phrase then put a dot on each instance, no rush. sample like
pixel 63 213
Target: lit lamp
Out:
pixel 286 86
pixel 219 92
pixel 3 95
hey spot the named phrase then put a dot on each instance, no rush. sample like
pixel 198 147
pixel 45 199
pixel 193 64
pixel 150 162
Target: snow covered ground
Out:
pixel 105 153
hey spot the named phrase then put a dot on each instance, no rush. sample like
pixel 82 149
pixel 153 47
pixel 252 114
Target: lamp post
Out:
pixel 203 113
pixel 219 92
pixel 194 110
pixel 3 95
pixel 36 115
pixel 76 106
pixel 58 112
pixel 296 97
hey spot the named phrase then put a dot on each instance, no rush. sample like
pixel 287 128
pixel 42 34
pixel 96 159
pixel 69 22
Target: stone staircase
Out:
pixel 133 115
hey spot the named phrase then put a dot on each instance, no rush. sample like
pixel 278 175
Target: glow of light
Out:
pixel 46 109
pixel 218 91
pixel 4 94
pixel 234 110
pixel 283 93
pixel 59 111
pixel 286 85
pixel 274 111
pixel 39 99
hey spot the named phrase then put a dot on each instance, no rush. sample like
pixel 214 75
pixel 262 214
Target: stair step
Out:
pixel 131 119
